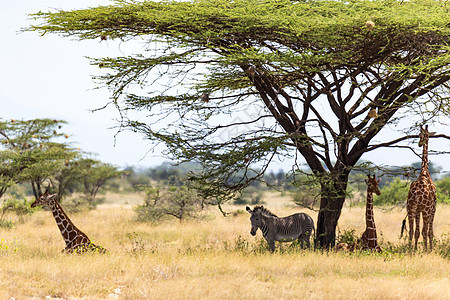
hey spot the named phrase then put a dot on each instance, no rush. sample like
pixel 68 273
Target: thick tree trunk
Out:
pixel 331 203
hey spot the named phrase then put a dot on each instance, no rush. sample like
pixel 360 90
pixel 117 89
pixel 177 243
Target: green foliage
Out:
pixel 95 176
pixel 29 152
pixel 250 195
pixel 162 201
pixel 349 236
pixel 443 190
pixel 397 192
pixel 442 246
pixel 18 206
pixel 8 224
pixel 252 80
pixel 394 193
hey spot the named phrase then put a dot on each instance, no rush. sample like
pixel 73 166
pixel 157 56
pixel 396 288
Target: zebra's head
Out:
pixel 255 218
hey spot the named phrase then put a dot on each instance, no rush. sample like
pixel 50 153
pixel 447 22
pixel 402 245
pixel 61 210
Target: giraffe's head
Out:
pixel 44 199
pixel 424 135
pixel 372 184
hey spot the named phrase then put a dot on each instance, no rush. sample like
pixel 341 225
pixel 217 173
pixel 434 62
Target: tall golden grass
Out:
pixel 210 258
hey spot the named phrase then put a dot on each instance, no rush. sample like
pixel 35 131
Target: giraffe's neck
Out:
pixel 371 231
pixel 424 167
pixel 68 230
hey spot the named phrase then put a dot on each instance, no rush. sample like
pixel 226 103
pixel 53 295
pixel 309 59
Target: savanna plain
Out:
pixel 212 257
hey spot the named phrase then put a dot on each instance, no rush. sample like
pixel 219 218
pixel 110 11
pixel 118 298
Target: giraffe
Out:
pixel 75 239
pixel 422 198
pixel 369 237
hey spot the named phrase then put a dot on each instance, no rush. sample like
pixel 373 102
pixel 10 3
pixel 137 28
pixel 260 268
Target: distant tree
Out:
pixel 236 83
pixel 68 178
pixel 29 152
pixel 434 170
pixel 95 175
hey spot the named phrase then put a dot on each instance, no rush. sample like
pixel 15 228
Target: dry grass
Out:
pixel 207 259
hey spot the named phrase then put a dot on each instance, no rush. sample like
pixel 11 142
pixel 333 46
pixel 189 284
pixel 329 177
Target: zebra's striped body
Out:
pixel 297 226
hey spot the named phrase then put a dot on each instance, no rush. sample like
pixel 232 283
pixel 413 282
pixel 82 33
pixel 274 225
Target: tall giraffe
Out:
pixel 369 237
pixel 75 239
pixel 422 197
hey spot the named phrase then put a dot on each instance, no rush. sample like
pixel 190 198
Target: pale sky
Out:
pixel 50 77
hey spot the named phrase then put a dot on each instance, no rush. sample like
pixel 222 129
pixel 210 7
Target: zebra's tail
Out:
pixel 403 226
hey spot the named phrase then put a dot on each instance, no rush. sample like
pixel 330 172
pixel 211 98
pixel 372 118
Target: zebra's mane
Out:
pixel 265 211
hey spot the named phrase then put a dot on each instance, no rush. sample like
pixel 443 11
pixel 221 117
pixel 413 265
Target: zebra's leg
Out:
pixel 302 241
pixel 307 240
pixel 271 245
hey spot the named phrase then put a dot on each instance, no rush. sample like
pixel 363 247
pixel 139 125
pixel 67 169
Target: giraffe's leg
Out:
pixel 430 230
pixel 425 227
pixel 417 231
pixel 411 229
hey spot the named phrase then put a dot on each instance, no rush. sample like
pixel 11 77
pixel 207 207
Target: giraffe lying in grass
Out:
pixel 76 240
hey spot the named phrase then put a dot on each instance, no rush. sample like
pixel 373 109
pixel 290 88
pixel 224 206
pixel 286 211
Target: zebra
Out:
pixel 297 226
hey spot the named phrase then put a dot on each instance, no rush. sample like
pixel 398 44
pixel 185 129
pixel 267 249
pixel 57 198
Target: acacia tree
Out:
pixel 234 83
pixel 95 176
pixel 29 153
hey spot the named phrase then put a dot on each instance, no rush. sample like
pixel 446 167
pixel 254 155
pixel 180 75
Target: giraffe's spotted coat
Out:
pixel 75 239
pixel 422 199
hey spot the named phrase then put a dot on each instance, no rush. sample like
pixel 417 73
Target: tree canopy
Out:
pixel 233 84
pixel 29 152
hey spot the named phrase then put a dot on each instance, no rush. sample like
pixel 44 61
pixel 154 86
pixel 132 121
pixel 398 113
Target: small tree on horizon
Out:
pixel 95 176
pixel 29 152
pixel 232 85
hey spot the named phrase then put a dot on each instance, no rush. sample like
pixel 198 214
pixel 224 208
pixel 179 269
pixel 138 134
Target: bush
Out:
pixel 81 203
pixel 443 190
pixel 19 206
pixel 176 201
pixel 251 195
pixel 396 192
pixel 348 236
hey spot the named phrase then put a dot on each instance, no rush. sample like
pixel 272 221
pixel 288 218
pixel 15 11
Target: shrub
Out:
pixel 19 206
pixel 395 192
pixel 442 247
pixel 251 195
pixel 348 236
pixel 81 203
pixel 176 201
pixel 443 190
